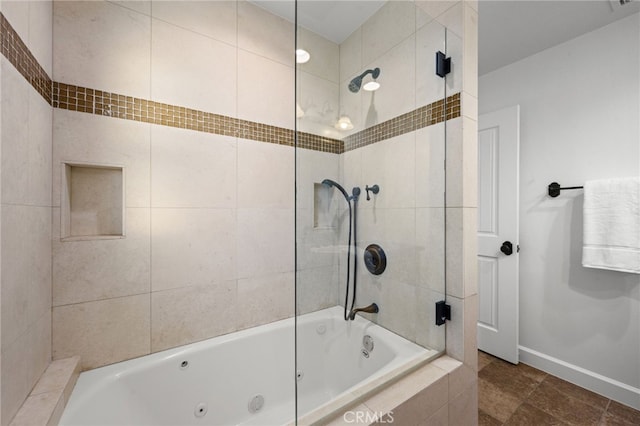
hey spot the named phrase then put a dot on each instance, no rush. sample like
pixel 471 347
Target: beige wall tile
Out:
pixel 317 288
pixel 391 165
pixel 192 169
pixel 265 34
pixel 455 328
pixel 215 19
pixel 26 265
pixel 312 168
pixel 469 162
pixel 38 349
pixel 429 166
pixel 15 156
pixel 141 6
pixel 37 409
pixel 435 8
pixel 452 18
pixel 325 55
pixel 351 56
pixel 40 30
pixel 469 106
pixel 440 418
pixel 470 42
pixel 187 315
pixel 463 409
pixel 265 239
pixel 319 99
pixel 204 83
pixel 397 93
pixel 93 139
pixel 102 332
pixel 427 333
pixel 265 175
pixel 17 13
pixel 430 257
pixel 455 249
pixel 265 299
pixel 425 390
pixel 470 251
pixel 39 150
pixel 101 269
pixel 430 38
pixel 14 386
pixel 192 247
pixel 85 30
pixel 390 25
pixel 454 163
pixel 461 379
pixel 261 81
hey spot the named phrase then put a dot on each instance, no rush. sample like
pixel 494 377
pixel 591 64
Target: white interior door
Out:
pixel 498 178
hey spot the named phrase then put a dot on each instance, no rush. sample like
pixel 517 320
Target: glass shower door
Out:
pixel 370 179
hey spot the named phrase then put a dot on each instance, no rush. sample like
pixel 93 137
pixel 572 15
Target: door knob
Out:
pixel 507 248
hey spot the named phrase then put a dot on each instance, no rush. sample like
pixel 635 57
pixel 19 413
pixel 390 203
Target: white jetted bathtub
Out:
pixel 248 377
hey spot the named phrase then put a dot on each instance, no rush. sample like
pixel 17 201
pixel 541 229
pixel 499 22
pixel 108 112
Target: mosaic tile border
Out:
pixel 92 101
pixel 19 55
pixel 428 115
pixel 83 99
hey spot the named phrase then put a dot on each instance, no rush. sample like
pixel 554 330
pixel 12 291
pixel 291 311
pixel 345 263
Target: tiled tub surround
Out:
pixel 193 296
pixel 93 101
pixel 25 180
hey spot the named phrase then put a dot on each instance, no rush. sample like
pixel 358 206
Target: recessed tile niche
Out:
pixel 322 213
pixel 92 205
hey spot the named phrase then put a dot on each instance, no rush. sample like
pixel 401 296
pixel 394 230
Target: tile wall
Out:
pixel 208 229
pixel 25 211
pixel 209 246
pixel 402 150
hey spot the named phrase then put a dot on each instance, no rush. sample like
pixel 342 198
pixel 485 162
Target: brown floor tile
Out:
pixel 486 420
pixel 495 402
pixel 564 407
pixel 484 359
pixel 577 392
pixel 528 415
pixel 618 414
pixel 513 379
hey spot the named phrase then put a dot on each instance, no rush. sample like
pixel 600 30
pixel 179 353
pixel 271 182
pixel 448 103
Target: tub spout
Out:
pixel 371 309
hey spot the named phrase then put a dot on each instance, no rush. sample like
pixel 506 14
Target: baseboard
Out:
pixel 612 389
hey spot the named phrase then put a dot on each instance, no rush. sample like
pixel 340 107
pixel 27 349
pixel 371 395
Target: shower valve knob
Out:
pixel 375 189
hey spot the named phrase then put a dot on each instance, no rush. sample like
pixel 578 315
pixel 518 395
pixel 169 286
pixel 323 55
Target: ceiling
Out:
pixel 335 20
pixel 512 30
pixel 508 30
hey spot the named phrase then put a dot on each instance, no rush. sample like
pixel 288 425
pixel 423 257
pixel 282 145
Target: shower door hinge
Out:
pixel 443 312
pixel 443 64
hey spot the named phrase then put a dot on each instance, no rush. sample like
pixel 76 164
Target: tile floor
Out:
pixel 522 395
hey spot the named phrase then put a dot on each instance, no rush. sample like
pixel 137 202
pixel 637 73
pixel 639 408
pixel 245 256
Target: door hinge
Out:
pixel 443 64
pixel 443 312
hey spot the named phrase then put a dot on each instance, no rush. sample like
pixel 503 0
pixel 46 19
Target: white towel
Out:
pixel 612 224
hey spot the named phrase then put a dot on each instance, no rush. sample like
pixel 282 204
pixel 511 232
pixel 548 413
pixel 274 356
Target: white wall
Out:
pixel 579 121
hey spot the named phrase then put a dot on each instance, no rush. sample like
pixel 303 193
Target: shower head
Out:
pixel 354 85
pixel 330 183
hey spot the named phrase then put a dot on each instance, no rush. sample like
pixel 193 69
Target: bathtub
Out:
pixel 248 377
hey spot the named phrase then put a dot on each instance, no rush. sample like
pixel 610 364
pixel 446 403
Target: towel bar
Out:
pixel 554 189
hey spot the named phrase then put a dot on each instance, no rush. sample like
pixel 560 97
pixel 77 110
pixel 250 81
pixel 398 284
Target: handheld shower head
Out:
pixel 330 183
